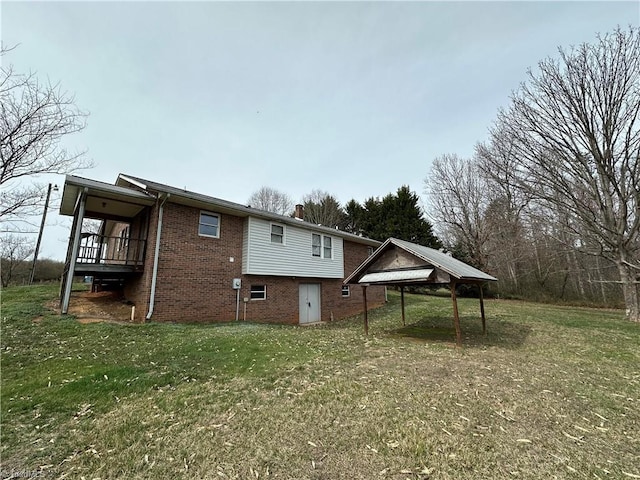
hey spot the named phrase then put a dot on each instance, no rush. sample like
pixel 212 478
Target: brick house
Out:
pixel 184 256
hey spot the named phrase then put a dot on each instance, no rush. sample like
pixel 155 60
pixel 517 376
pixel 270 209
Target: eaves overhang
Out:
pixel 218 205
pixel 103 200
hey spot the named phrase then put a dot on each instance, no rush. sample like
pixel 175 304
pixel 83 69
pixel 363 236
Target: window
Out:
pixel 277 233
pixel 316 244
pixel 321 246
pixel 122 242
pixel 209 225
pixel 370 251
pixel 258 292
pixel 327 247
pixel 346 292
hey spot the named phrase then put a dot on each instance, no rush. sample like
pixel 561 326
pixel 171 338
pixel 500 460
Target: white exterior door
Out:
pixel 309 302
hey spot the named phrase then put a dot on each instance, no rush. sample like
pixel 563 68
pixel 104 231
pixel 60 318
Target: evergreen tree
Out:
pixel 399 216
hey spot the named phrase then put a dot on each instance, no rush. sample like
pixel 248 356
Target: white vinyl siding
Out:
pixel 294 259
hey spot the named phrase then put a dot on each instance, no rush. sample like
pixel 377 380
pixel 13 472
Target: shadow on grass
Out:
pixel 440 329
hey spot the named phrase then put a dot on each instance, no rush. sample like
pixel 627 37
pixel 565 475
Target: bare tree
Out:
pixel 324 209
pixel 457 196
pixel 34 117
pixel 14 250
pixel 271 200
pixel 576 139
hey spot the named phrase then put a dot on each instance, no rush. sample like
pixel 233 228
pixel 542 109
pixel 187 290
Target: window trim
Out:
pixel 282 235
pixel 200 223
pixel 314 246
pixel 347 289
pixel 261 288
pixel 322 246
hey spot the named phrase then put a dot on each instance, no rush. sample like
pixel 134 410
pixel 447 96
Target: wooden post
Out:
pixel 456 318
pixel 366 315
pixel 484 323
pixel 402 303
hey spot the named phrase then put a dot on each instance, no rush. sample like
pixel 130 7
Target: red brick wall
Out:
pixel 195 276
pixel 138 288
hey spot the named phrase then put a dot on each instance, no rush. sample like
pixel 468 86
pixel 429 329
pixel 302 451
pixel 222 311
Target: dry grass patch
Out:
pixel 550 392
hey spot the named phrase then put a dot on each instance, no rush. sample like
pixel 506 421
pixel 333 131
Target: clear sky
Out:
pixel 222 98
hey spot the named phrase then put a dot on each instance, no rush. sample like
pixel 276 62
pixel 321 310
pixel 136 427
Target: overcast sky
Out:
pixel 353 98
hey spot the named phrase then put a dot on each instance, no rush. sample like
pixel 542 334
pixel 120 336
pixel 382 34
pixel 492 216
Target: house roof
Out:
pixel 193 199
pixel 419 268
pixel 140 192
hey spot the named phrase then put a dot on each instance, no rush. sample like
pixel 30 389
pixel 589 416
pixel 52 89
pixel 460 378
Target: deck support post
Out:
pixel 484 323
pixel 402 303
pixel 456 317
pixel 72 253
pixel 366 313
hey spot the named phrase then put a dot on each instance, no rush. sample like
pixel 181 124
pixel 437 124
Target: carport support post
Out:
pixel 484 323
pixel 366 314
pixel 456 317
pixel 402 303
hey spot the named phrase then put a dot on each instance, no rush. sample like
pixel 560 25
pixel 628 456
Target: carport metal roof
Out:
pixel 401 263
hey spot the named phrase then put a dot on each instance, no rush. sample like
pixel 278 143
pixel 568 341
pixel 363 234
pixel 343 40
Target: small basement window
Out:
pixel 346 291
pixel 209 225
pixel 258 292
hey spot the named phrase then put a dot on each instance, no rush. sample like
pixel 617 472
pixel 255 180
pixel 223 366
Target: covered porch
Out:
pixel 116 250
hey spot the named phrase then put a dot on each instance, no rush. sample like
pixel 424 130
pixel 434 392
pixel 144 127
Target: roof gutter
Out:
pixel 156 255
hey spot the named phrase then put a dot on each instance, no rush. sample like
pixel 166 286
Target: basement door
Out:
pixel 309 303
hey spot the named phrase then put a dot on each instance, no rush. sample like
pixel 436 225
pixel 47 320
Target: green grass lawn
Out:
pixel 549 392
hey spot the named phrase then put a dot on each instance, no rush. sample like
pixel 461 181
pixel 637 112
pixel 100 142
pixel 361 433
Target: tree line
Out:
pixel 550 203
pixel 396 215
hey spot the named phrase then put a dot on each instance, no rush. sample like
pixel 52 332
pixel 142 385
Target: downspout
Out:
pixel 156 255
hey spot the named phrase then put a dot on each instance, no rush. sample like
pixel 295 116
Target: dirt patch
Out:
pixel 93 307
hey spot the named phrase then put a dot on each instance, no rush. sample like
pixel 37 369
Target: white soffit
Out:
pixel 397 276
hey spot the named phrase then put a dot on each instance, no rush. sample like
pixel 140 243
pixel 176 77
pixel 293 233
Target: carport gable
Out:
pixel 408 263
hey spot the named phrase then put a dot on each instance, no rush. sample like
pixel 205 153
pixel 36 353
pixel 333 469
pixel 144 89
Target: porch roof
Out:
pixel 104 200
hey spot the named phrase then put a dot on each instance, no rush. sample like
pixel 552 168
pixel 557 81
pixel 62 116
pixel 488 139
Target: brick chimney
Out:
pixel 299 214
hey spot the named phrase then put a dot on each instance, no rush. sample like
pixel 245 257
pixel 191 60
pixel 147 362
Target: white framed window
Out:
pixel 326 247
pixel 277 233
pixel 321 246
pixel 258 292
pixel 369 251
pixel 209 225
pixel 316 245
pixel 346 291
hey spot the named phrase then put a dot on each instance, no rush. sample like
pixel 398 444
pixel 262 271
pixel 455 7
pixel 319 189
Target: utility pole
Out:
pixel 44 218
